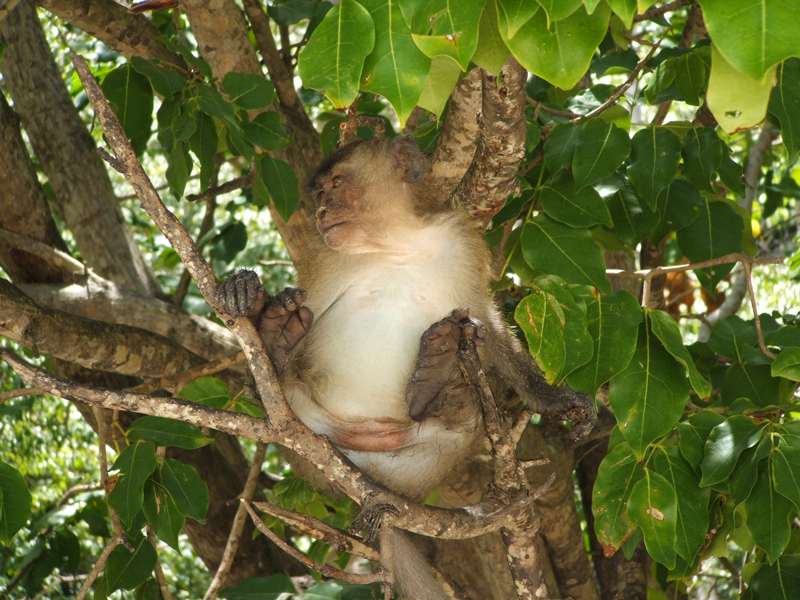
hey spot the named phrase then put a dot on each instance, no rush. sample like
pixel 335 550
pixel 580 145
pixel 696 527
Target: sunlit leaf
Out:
pixel 135 465
pixel 725 444
pixel 653 506
pixel 167 432
pixel 619 472
pixel 666 329
pixel 601 150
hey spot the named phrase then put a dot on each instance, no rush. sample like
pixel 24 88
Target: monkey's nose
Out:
pixel 321 213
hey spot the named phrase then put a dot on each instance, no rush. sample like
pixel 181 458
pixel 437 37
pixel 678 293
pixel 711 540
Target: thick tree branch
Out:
pixel 492 175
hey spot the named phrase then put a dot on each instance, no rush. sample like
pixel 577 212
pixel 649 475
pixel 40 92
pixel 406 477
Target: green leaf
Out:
pixel 787 364
pixel 167 432
pixel 15 502
pixel 564 202
pixel 690 77
pixel 626 9
pixel 541 318
pixel 491 52
pixel 753 36
pixel 715 232
pixel 333 59
pixel 619 472
pixel 125 569
pixel 730 172
pixel 692 508
pixel 786 472
pixel 662 78
pixel 653 506
pixel 165 82
pixel 694 434
pixel 780 581
pixel 449 29
pixel 186 488
pixel 202 66
pixel 131 98
pixel 702 156
pixel 745 474
pixel 559 148
pixel 785 104
pixel 602 148
pixel 160 510
pixel 274 587
pixel 513 14
pixel 266 131
pixel 613 324
pixel 442 78
pixel 725 444
pixel 655 156
pixel 248 91
pixel 281 181
pixel 768 514
pixel 135 465
pixel 292 12
pixel 731 336
pixel 211 102
pixel 561 53
pixel 736 100
pixel 577 341
pixel 204 144
pixel 754 382
pixel 649 396
pixel 179 168
pixel 666 329
pixel 786 336
pixel 633 219
pixel 208 391
pixel 678 205
pixel 570 253
pixel 559 9
pixel 396 69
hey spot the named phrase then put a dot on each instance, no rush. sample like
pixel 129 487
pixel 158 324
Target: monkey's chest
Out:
pixel 366 345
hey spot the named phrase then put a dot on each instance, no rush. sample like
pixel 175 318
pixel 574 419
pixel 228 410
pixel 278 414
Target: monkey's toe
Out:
pixel 370 520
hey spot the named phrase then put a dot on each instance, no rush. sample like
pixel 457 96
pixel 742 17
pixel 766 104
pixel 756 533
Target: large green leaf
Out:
pixel 690 77
pixel 653 506
pixel 678 205
pixel 563 201
pixel 248 91
pixel 167 432
pixel 396 69
pixel 541 318
pixel 561 53
pixel 570 253
pixel 15 502
pixel 725 444
pixel 448 28
pixel 166 82
pixel 702 156
pixel 666 329
pixel 694 434
pixel 131 97
pixel 780 581
pixel 513 14
pixel 135 465
pixel 692 514
pixel 125 569
pixel 655 156
pixel 786 472
pixel 731 336
pixel 619 472
pixel 753 35
pixel 715 232
pixel 560 146
pixel 768 514
pixel 787 364
pixel 442 78
pixel 754 382
pixel 281 181
pixel 491 53
pixel 211 102
pixel 785 104
pixel 266 131
pixel 160 510
pixel 189 492
pixel 736 100
pixel 333 59
pixel 209 391
pixel 730 172
pixel 625 9
pixel 633 218
pixel 613 324
pixel 204 143
pixel 649 396
pixel 602 148
pixel 745 473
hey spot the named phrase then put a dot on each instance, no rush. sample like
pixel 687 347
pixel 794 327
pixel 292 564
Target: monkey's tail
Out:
pixel 414 576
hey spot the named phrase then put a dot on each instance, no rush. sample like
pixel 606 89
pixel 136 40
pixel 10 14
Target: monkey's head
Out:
pixel 368 191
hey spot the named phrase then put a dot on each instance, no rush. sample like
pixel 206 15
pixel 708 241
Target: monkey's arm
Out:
pixel 282 320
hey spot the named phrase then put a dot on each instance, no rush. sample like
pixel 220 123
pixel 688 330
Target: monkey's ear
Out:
pixel 407 159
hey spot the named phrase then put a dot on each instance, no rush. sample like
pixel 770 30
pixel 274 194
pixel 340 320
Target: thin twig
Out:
pixel 325 570
pixel 728 258
pixel 657 12
pixel 552 111
pixel 98 566
pixel 162 581
pixel 77 490
pixel 174 383
pixel 229 186
pixel 238 525
pixel 19 393
pixel 756 318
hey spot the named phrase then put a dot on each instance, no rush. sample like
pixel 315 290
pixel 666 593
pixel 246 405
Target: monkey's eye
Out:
pixel 336 181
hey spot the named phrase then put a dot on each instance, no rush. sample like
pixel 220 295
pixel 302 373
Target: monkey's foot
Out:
pixel 370 520
pixel 438 359
pixel 284 322
pixel 242 295
pixel 577 408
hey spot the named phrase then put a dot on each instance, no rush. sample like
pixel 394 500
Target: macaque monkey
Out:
pixel 392 280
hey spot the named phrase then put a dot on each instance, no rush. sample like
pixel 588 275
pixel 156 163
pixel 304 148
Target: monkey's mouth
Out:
pixel 326 227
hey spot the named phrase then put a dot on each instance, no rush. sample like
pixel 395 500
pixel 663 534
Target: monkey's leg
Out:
pixel 437 359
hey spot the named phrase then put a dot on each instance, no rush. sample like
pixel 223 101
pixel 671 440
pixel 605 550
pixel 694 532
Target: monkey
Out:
pixel 366 348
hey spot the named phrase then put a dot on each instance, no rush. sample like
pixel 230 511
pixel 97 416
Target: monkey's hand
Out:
pixel 577 408
pixel 437 359
pixel 242 294
pixel 284 322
